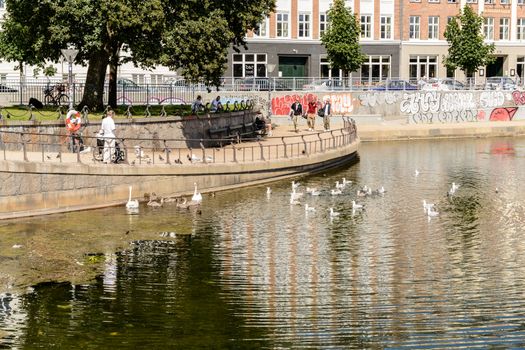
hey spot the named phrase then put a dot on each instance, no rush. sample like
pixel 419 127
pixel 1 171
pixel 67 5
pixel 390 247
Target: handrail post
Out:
pixel 78 154
pixel 125 150
pixel 285 150
pixel 167 150
pixel 24 148
pixel 320 141
pixel 262 150
pixel 203 151
pixel 234 153
pixel 305 146
pixel 333 139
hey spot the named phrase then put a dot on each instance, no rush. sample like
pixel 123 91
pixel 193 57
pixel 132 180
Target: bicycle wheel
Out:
pixel 48 99
pixel 63 99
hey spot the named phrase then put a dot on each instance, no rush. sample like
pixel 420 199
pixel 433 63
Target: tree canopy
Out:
pixel 467 48
pixel 341 39
pixel 193 36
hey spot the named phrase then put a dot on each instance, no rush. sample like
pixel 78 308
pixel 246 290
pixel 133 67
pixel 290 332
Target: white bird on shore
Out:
pixel 132 204
pixel 333 213
pixel 197 196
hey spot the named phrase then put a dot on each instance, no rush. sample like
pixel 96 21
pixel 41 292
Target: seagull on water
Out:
pixel 416 172
pixel 335 192
pixel 295 185
pixel 356 206
pixel 427 206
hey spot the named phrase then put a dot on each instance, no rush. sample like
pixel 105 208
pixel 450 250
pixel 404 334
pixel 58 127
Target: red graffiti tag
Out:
pixel 519 97
pixel 502 114
pixel 281 105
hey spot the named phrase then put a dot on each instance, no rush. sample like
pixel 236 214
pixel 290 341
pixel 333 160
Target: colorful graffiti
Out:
pixel 501 114
pixel 376 99
pixel 341 103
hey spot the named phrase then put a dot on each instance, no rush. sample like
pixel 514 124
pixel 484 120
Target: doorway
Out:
pixel 293 66
pixel 495 69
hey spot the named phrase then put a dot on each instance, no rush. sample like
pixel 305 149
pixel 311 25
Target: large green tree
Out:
pixel 341 39
pixel 192 35
pixel 467 48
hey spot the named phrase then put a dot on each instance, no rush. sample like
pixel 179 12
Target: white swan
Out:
pixel 296 195
pixel 307 208
pixel 295 185
pixel 416 172
pixel 132 204
pixel 335 192
pixel 357 206
pixel 346 182
pixel 293 200
pixel 333 213
pixel 381 190
pixel 197 197
pixel 427 206
pixel 339 185
pixel 315 192
pixel 268 190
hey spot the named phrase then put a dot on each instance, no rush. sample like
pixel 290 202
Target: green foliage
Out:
pixel 341 39
pixel 467 49
pixel 192 35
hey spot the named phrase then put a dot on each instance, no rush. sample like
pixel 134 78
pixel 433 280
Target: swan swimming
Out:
pixel 132 204
pixel 197 197
pixel 335 192
pixel 357 205
pixel 333 213
pixel 155 204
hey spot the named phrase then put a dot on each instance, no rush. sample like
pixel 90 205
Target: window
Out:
pixel 505 2
pixel 282 24
pixel 366 26
pixel 433 27
pixel 472 1
pixel 489 1
pixel 323 23
pixel 304 25
pixel 520 68
pixel 376 68
pixel 249 65
pixel 520 2
pixel 434 1
pixel 520 29
pixel 327 71
pixel 452 1
pixel 261 29
pixel 488 28
pixel 422 67
pixel 386 27
pixel 138 78
pixel 504 28
pixel 414 27
pixel 156 78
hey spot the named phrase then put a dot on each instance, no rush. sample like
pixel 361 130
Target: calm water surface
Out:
pixel 252 271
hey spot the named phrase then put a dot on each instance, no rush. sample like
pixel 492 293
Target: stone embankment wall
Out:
pixel 154 128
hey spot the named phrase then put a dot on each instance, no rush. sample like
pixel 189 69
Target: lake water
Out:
pixel 251 271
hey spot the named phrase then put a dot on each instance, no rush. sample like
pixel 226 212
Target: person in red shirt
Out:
pixel 312 112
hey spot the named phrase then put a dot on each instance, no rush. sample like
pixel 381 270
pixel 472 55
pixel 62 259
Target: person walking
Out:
pixel 296 110
pixel 107 130
pixel 327 112
pixel 312 113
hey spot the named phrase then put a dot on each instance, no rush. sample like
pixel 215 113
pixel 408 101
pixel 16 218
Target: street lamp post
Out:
pixel 271 68
pixel 69 55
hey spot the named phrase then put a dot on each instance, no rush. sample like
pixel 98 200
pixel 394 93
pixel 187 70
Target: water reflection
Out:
pixel 251 270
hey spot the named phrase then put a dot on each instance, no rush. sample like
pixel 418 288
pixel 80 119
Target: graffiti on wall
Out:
pixel 434 106
pixel 375 99
pixel 342 103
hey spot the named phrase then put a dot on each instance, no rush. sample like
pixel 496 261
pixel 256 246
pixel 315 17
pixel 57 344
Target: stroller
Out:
pixel 117 157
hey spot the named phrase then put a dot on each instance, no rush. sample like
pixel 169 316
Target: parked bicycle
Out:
pixel 55 95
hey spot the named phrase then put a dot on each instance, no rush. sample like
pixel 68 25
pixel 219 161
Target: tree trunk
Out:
pixel 113 66
pixel 94 89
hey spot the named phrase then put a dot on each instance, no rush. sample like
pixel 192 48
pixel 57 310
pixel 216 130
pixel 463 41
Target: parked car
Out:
pixel 443 84
pixel 324 85
pixel 394 85
pixel 500 83
pixel 129 85
pixel 5 88
pixel 260 84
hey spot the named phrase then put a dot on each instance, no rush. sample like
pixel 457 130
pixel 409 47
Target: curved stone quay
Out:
pixel 39 177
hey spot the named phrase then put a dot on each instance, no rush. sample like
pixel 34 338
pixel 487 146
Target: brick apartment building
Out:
pixel 402 38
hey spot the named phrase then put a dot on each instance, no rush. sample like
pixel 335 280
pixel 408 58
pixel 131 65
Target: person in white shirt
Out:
pixel 216 105
pixel 108 133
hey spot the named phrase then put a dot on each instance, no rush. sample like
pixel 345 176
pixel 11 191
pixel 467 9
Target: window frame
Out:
pixel 414 23
pixel 283 24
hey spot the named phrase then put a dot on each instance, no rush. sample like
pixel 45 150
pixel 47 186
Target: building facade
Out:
pixel 401 39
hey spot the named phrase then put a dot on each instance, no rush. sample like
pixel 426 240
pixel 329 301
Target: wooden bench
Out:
pixel 235 130
pixel 248 130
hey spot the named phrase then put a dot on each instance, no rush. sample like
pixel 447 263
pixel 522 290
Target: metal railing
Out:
pixel 52 148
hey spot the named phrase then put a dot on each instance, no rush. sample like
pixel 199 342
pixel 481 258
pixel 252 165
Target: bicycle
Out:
pixel 55 95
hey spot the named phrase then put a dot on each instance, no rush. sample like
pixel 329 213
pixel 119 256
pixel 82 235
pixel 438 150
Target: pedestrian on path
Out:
pixel 107 130
pixel 312 113
pixel 327 112
pixel 296 110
